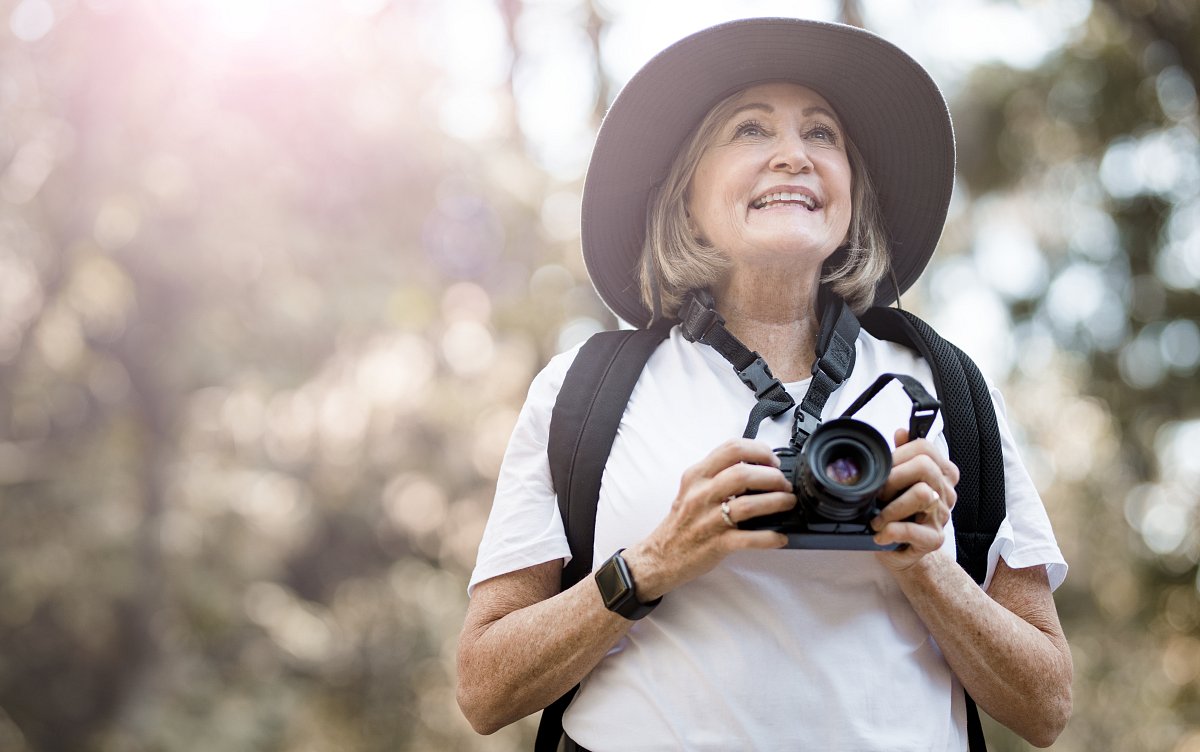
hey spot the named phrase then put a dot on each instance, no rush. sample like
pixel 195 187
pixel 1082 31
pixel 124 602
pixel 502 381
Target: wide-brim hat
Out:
pixel 889 105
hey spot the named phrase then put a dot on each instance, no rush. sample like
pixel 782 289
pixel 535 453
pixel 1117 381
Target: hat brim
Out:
pixel 892 109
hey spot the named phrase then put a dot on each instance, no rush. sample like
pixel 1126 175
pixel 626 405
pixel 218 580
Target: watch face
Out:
pixel 613 583
pixel 613 587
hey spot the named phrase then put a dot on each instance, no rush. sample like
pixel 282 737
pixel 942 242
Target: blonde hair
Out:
pixel 675 261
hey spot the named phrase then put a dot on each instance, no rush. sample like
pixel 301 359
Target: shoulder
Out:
pixel 548 382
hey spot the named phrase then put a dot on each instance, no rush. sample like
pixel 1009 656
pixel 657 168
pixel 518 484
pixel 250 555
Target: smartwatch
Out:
pixel 618 590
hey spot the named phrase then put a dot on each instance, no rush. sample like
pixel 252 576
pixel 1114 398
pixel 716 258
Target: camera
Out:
pixel 837 473
pixel 837 477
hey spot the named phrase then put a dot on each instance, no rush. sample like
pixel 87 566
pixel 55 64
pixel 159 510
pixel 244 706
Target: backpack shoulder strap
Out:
pixel 973 437
pixel 971 432
pixel 583 427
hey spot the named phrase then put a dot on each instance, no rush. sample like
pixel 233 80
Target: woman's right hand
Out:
pixel 694 537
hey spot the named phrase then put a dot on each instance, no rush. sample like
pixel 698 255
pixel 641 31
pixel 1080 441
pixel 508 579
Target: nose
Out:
pixel 791 155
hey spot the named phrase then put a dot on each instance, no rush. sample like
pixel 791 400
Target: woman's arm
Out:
pixel 524 644
pixel 1006 645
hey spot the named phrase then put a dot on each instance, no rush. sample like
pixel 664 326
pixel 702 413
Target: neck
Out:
pixel 776 316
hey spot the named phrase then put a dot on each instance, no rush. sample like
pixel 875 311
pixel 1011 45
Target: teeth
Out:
pixel 772 198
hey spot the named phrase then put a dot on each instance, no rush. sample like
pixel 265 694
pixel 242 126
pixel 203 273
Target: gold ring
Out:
pixel 725 513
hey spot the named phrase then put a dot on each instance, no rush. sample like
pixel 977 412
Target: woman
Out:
pixel 762 160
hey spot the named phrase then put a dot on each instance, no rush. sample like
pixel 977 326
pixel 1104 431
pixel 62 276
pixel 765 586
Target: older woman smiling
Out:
pixel 774 165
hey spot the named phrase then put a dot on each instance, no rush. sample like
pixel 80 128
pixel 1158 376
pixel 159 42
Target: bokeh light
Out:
pixel 275 278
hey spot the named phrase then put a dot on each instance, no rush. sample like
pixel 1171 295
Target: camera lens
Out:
pixel 844 471
pixel 845 465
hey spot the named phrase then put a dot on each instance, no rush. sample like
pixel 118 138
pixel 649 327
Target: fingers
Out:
pixel 921 503
pixel 920 461
pixel 731 469
pixel 743 508
pixel 921 489
pixel 920 539
pixel 907 450
pixel 729 454
pixel 740 478
pixel 757 539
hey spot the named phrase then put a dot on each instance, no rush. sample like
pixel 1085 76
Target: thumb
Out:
pixel 901 436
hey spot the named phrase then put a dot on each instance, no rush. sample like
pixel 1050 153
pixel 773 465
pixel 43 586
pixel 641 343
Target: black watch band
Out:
pixel 618 590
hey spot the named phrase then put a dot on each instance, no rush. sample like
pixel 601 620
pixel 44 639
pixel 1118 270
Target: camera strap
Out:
pixel 700 322
pixel 834 363
pixel 924 406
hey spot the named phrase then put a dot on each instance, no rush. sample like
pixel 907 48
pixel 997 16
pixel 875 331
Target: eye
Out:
pixel 823 133
pixel 749 128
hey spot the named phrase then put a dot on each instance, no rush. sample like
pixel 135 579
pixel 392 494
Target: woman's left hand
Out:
pixel 920 494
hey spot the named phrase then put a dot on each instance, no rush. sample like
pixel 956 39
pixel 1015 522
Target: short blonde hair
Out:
pixel 674 261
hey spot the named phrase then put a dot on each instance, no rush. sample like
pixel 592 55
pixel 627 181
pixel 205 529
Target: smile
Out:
pixel 786 197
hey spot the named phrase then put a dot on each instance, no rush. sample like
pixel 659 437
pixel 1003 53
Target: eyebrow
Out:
pixel 806 112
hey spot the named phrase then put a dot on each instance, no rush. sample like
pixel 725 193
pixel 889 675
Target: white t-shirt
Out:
pixel 771 650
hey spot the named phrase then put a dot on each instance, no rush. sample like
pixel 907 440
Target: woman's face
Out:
pixel 774 182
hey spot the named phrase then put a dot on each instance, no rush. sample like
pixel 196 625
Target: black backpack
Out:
pixel 597 387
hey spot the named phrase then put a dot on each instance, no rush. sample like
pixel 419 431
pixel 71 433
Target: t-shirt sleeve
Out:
pixel 1025 538
pixel 524 527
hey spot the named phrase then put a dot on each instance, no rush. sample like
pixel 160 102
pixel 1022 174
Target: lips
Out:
pixel 793 196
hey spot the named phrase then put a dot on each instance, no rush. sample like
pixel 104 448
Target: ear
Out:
pixel 693 230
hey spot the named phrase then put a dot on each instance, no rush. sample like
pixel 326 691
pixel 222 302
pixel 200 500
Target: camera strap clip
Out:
pixel 803 426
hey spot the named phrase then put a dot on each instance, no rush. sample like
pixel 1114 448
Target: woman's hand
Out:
pixel 920 494
pixel 524 643
pixel 695 536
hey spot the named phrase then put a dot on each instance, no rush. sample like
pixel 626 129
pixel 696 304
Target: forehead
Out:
pixel 778 94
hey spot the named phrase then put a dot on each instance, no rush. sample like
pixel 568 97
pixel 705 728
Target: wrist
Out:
pixel 649 582
pixel 618 589
pixel 926 567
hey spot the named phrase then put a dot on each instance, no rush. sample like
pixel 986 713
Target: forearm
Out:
pixel 1019 673
pixel 524 644
pixel 520 663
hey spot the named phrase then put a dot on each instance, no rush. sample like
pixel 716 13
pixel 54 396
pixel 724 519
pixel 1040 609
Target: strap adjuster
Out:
pixel 920 422
pixel 836 368
pixel 697 319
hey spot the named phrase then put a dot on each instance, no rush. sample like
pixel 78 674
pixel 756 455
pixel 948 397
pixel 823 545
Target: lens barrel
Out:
pixel 842 469
pixel 836 477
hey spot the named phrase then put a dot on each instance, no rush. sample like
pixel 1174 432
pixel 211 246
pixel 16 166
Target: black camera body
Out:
pixel 837 476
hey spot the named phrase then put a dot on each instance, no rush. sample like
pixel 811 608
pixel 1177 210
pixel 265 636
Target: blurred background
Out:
pixel 275 276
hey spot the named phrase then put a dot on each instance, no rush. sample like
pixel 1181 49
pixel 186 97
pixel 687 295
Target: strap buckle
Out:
pixel 803 426
pixel 759 378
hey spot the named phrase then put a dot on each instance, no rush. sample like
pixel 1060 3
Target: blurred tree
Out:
pixel 272 289
pixel 254 391
pixel 1097 148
